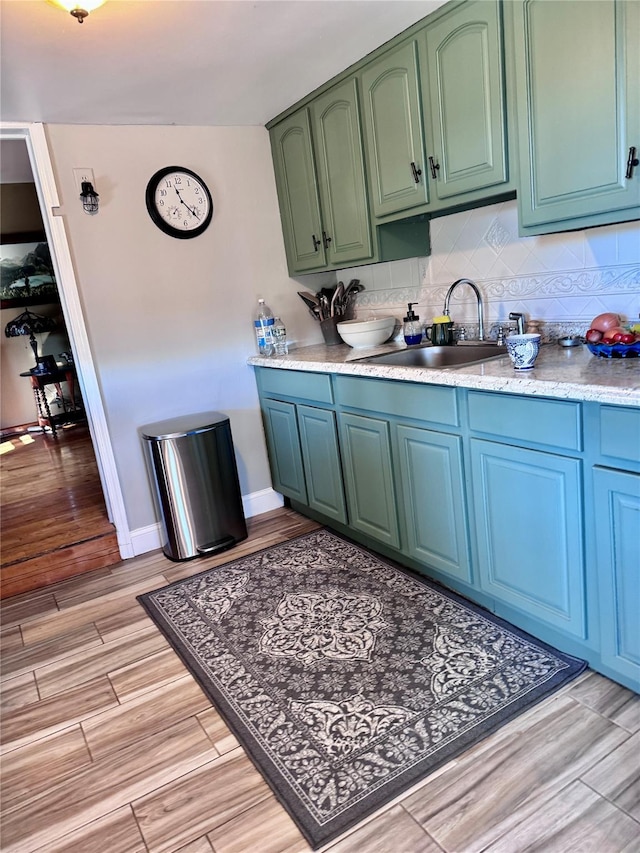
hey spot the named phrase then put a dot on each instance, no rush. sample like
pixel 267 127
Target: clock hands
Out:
pixel 191 210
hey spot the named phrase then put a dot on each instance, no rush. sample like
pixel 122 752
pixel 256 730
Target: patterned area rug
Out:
pixel 348 679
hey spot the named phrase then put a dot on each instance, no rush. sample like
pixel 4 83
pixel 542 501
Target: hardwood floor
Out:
pixel 109 746
pixel 54 522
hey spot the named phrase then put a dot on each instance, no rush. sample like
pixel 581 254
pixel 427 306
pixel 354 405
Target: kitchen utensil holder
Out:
pixel 329 331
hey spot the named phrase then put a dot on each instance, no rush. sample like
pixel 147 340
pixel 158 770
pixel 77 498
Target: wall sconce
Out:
pixel 89 198
pixel 79 10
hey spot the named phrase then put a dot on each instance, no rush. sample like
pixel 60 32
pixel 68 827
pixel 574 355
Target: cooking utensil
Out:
pixel 308 298
pixel 324 305
pixel 335 304
pixel 311 302
pixel 354 285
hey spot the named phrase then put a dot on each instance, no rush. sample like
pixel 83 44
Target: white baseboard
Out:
pixel 150 538
pixel 258 502
pixel 146 539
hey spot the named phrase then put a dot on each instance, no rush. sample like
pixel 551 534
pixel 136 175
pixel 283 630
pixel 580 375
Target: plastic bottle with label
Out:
pixel 280 345
pixel 263 325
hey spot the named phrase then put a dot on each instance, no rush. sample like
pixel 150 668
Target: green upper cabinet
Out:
pixel 393 131
pixel 577 72
pixel 320 178
pixel 465 101
pixel 340 163
pixel 298 192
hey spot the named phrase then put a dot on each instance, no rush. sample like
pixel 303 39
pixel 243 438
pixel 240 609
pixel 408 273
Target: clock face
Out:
pixel 179 202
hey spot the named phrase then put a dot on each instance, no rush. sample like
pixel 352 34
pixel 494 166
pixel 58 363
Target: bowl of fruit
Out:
pixel 609 337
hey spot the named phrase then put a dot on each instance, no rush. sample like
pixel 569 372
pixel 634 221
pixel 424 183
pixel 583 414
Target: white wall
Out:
pixel 563 280
pixel 170 321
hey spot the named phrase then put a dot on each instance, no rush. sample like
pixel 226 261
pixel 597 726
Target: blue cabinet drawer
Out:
pixel 620 433
pixel 433 403
pixel 555 423
pixel 295 383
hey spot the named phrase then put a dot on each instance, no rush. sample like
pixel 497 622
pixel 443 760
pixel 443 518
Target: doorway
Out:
pixel 34 137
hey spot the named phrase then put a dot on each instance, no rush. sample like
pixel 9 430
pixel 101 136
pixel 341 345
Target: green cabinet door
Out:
pixel 321 459
pixel 368 474
pixel 435 511
pixel 577 71
pixel 298 192
pixel 340 164
pixel 283 445
pixel 529 532
pixel 466 101
pixel 393 131
pixel 617 523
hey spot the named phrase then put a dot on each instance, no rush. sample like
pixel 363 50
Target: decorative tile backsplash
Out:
pixel 562 280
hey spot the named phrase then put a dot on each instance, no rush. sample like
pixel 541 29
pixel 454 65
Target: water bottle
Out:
pixel 263 324
pixel 280 345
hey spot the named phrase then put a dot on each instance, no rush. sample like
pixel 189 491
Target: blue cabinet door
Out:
pixel 368 474
pixel 435 511
pixel 283 444
pixel 529 530
pixel 321 460
pixel 617 523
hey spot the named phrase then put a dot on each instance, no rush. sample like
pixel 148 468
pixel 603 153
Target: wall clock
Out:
pixel 179 202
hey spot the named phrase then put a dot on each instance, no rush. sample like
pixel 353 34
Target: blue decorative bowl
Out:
pixel 615 350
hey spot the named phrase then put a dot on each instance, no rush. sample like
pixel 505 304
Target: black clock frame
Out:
pixel 162 224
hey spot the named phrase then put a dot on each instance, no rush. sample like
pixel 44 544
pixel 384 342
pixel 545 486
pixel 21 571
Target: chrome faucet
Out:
pixel 519 318
pixel 471 284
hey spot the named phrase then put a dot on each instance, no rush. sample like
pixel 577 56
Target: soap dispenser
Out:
pixel 411 329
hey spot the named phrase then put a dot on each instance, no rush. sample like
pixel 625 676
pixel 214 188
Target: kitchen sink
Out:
pixel 448 356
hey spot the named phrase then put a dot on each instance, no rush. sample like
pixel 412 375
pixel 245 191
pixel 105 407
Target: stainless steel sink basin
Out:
pixel 429 356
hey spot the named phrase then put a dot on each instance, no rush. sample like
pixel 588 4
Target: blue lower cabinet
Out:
pixel 529 531
pixel 617 527
pixel 321 461
pixel 283 444
pixel 434 507
pixel 368 477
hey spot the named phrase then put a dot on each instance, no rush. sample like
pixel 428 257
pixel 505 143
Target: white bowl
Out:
pixel 366 333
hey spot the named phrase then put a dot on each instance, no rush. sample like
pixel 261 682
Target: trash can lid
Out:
pixel 183 425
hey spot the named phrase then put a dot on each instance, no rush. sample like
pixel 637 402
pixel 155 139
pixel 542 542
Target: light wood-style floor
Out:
pixel 53 521
pixel 109 746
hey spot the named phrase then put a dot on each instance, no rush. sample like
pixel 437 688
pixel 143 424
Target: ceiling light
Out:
pixel 79 10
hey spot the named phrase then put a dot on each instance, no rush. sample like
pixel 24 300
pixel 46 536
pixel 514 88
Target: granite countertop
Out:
pixel 566 373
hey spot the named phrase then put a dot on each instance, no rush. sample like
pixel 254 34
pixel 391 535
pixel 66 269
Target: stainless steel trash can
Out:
pixel 197 491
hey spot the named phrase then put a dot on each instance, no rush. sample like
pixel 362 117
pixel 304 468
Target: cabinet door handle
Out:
pixel 326 239
pixel 316 242
pixel 632 162
pixel 434 168
pixel 416 172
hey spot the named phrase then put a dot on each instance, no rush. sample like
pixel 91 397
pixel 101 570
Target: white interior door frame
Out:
pixel 34 136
